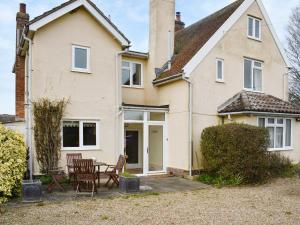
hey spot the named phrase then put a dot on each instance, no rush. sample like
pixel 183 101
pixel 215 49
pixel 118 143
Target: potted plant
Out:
pixel 129 183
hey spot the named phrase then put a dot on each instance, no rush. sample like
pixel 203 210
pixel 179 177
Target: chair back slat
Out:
pixel 84 166
pixel 120 163
pixel 71 157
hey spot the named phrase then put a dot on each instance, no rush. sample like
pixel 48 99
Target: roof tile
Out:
pixel 246 101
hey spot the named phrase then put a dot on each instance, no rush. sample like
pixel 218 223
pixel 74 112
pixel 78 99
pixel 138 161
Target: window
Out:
pixel 80 134
pixel 280 132
pixel 254 28
pixel 252 75
pixel 80 59
pixel 131 74
pixel 220 70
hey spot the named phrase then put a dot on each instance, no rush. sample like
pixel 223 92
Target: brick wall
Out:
pixel 21 19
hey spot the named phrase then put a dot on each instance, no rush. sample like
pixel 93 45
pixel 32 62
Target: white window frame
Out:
pixel 254 28
pixel 131 85
pixel 217 70
pixel 88 53
pixel 253 61
pixel 81 146
pixel 267 124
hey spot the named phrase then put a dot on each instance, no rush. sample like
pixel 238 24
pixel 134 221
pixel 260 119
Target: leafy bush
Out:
pixel 12 163
pixel 238 153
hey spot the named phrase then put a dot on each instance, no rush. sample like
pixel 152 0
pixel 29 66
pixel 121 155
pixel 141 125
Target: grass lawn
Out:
pixel 275 203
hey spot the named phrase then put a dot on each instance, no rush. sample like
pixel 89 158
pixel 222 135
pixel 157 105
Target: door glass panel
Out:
pixel 155 148
pixel 132 147
pixel 156 116
pixel 133 115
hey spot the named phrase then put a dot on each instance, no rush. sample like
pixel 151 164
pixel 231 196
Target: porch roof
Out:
pixel 256 102
pixel 146 107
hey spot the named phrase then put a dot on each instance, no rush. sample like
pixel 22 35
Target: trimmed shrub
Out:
pixel 12 163
pixel 234 151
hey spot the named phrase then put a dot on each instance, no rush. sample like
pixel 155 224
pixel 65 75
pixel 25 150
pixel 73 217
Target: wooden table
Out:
pixel 99 164
pixel 56 175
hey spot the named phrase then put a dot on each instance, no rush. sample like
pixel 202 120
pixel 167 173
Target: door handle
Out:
pixel 147 150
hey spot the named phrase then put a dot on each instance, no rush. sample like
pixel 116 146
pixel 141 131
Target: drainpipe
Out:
pixel 118 102
pixel 28 106
pixel 190 123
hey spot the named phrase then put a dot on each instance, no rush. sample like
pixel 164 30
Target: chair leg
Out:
pixel 93 189
pixel 109 179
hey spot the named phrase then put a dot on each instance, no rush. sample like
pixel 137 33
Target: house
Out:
pixel 227 67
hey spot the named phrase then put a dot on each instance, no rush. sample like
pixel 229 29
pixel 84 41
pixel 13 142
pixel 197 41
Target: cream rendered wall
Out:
pixel 235 45
pixel 176 96
pixel 90 95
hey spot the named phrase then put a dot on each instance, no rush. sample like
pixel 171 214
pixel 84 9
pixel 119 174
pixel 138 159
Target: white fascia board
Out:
pixel 273 32
pixel 53 16
pixel 105 23
pixel 211 43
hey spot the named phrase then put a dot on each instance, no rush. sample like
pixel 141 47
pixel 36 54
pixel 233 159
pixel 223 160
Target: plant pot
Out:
pixel 129 184
pixel 32 191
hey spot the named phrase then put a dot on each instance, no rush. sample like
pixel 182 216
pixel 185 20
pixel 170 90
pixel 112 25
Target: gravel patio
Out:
pixel 275 203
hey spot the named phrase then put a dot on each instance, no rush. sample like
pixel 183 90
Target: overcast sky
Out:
pixel 131 17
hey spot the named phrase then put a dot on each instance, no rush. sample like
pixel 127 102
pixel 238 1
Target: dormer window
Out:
pixel 132 74
pixel 254 28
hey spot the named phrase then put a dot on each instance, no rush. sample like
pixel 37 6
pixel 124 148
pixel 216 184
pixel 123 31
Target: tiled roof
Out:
pixel 5 118
pixel 70 2
pixel 246 101
pixel 191 39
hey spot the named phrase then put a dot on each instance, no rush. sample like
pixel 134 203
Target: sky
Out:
pixel 130 16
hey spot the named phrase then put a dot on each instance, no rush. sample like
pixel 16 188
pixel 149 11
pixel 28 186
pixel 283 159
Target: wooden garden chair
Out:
pixel 85 175
pixel 112 171
pixel 70 166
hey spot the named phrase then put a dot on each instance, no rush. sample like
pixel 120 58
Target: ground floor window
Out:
pixel 280 131
pixel 79 134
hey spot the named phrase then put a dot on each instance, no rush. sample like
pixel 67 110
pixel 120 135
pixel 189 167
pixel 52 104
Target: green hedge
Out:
pixel 238 152
pixel 12 163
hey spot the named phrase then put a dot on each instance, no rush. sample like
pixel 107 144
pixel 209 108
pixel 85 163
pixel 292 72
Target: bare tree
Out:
pixel 293 50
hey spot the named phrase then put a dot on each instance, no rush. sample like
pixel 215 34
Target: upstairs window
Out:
pixel 80 59
pixel 254 28
pixel 252 75
pixel 131 74
pixel 280 132
pixel 220 70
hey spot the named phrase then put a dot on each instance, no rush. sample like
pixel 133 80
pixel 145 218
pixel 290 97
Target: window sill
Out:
pixel 220 81
pixel 81 71
pixel 254 39
pixel 280 149
pixel 134 87
pixel 246 89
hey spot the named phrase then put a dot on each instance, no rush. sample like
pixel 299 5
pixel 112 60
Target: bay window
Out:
pixel 280 132
pixel 79 134
pixel 131 74
pixel 252 75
